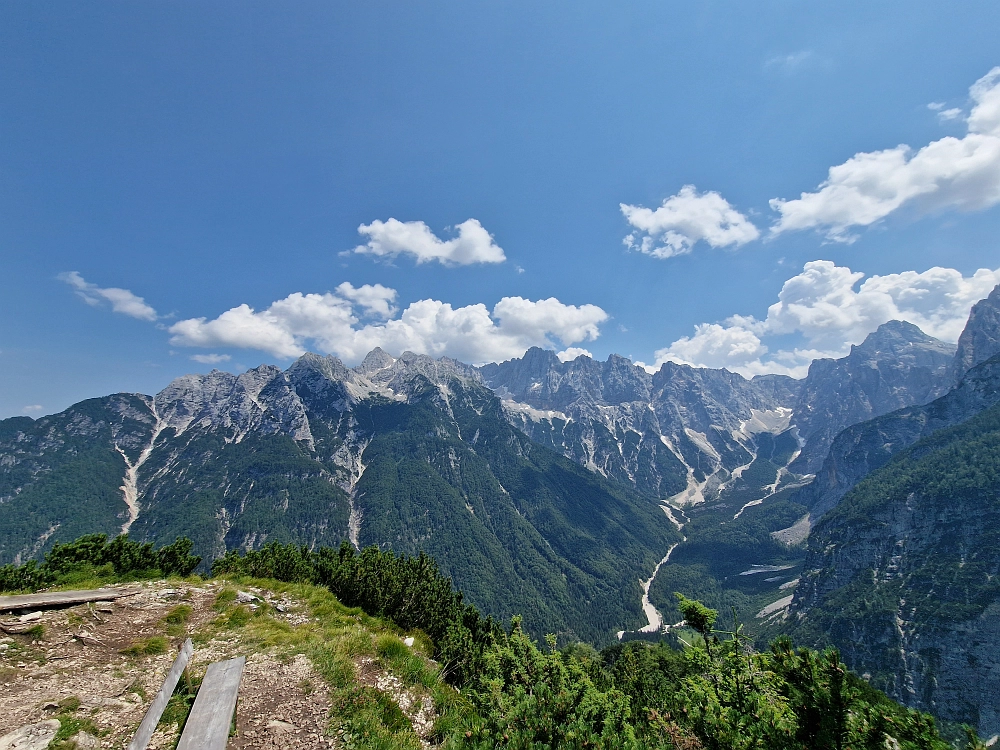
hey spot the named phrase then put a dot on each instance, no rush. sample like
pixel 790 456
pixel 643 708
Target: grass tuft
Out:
pixel 175 620
pixel 147 647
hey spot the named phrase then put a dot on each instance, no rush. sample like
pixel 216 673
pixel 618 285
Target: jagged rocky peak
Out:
pixel 706 400
pixel 376 360
pixel 782 389
pixel 896 366
pixel 259 399
pixel 324 380
pixel 540 379
pixel 980 339
pixel 187 397
pixel 310 364
pixel 522 378
pixel 403 373
pixel 905 343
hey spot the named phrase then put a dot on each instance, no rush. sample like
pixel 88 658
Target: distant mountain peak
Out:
pixel 897 365
pixel 377 359
pixel 898 337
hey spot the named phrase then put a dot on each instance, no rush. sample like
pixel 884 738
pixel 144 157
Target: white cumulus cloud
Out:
pixel 685 219
pixel 572 352
pixel 960 173
pixel 329 323
pixel 374 299
pixel 829 311
pixel 714 345
pixel 392 238
pixel 121 300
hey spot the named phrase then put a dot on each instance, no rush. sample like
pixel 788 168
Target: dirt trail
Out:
pixel 78 658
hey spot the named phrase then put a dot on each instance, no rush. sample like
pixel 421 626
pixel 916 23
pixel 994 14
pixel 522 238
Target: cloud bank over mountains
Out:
pixel 330 323
pixel 959 173
pixel 822 307
pixel 826 308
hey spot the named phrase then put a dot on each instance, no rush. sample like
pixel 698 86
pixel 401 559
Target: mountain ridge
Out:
pixel 415 455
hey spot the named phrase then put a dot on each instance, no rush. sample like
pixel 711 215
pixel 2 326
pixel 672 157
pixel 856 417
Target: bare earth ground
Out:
pixel 283 702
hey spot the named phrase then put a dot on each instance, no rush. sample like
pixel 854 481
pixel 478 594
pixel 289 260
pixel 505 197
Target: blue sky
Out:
pixel 217 160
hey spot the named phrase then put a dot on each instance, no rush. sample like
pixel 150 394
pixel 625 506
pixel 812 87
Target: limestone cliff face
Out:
pixel 863 448
pixel 897 365
pixel 682 432
pixel 679 433
pixel 980 340
pixel 903 576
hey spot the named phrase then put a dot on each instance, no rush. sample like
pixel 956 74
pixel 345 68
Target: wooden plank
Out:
pixel 207 727
pixel 152 717
pixel 62 598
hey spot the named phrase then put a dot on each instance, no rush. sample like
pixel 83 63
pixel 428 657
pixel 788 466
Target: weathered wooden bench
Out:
pixel 207 726
pixel 155 711
pixel 211 716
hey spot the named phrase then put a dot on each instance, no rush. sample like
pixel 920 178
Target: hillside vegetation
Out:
pixel 904 574
pixel 492 686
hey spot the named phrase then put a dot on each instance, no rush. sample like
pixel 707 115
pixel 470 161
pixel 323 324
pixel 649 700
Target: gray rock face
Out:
pixel 980 340
pixel 260 400
pixel 677 433
pixel 31 737
pixel 896 366
pixel 780 388
pixel 863 448
pixel 867 445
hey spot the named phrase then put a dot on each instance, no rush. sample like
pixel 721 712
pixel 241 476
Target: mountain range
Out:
pixel 543 487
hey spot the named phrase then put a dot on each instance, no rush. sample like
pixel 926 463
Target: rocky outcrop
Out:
pixel 865 447
pixel 897 365
pixel 980 340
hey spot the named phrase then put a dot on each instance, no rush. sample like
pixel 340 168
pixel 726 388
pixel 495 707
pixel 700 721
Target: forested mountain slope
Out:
pixel 410 454
pixel 863 448
pixel 903 575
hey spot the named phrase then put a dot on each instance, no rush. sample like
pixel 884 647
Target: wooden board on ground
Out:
pixel 149 722
pixel 211 716
pixel 62 598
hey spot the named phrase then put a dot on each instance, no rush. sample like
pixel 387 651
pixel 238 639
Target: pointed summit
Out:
pixel 377 359
pixel 900 338
pixel 897 365
pixel 981 338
